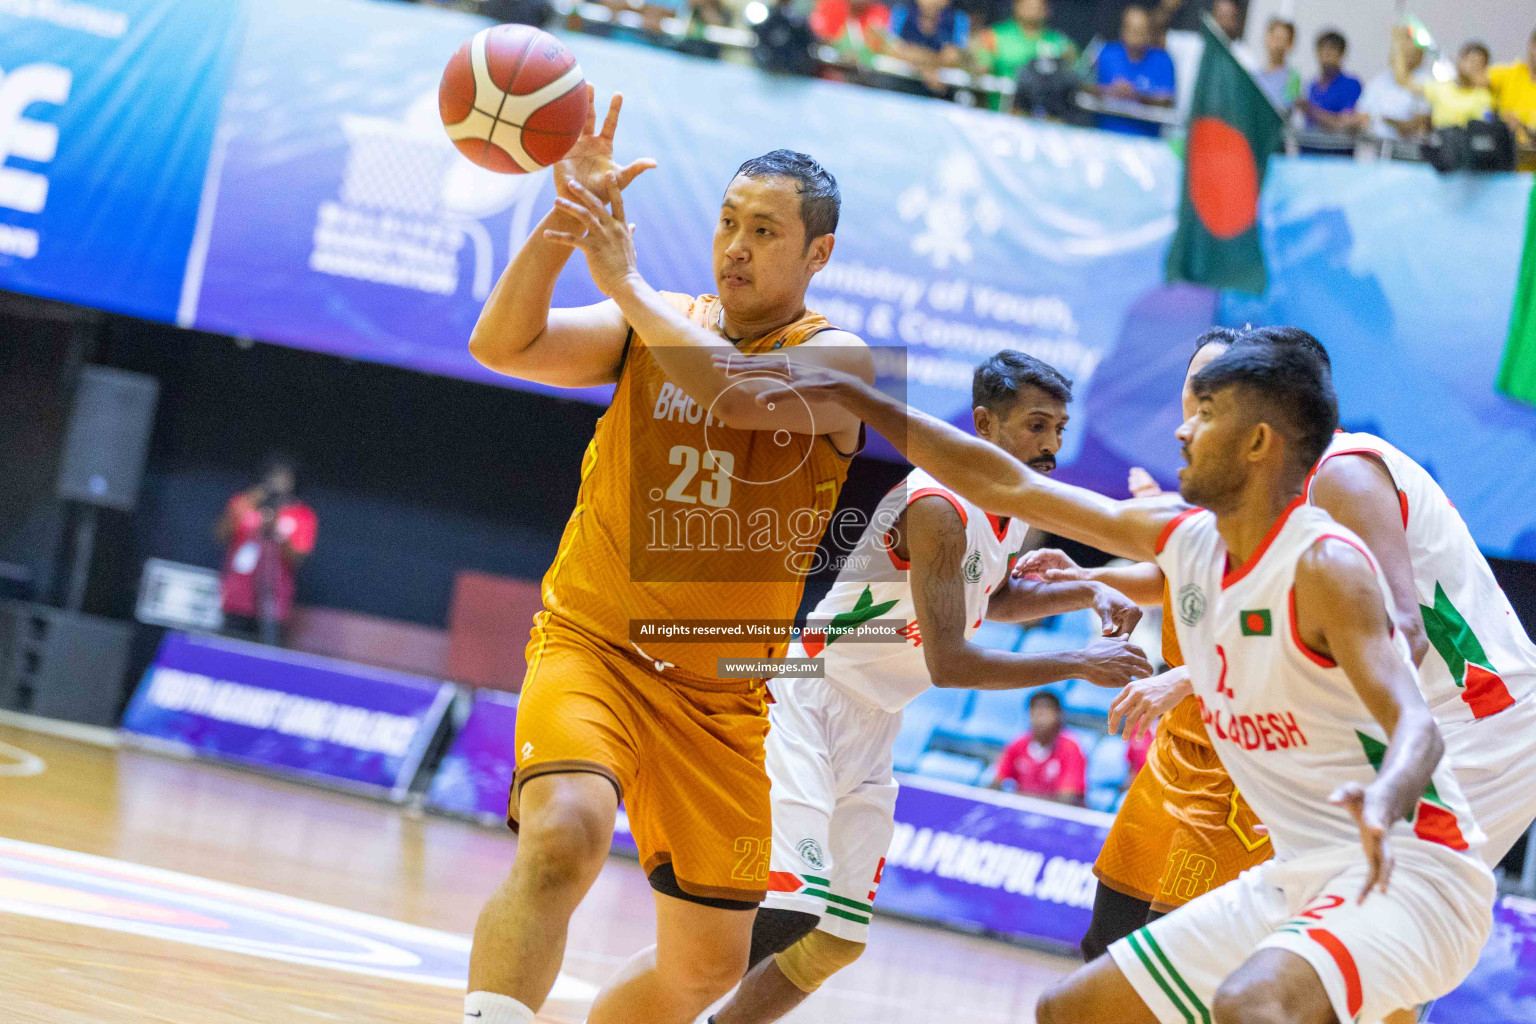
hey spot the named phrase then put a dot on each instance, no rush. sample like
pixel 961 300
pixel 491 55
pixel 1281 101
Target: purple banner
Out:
pixel 475 776
pixel 974 859
pixel 329 720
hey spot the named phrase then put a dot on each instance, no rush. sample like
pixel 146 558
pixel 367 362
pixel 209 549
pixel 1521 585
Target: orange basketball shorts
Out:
pixel 1183 830
pixel 686 758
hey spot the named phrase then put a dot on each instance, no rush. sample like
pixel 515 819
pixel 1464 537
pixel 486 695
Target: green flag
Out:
pixel 1517 375
pixel 1233 128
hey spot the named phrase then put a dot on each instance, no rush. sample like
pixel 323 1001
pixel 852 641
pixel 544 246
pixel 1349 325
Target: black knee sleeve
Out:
pixel 777 930
pixel 1115 915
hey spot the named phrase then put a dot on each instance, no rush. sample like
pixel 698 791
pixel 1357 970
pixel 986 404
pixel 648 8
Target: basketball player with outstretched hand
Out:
pixel 604 716
pixel 939 565
pixel 1309 693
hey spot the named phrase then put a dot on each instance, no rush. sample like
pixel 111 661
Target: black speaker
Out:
pixel 108 437
pixel 61 664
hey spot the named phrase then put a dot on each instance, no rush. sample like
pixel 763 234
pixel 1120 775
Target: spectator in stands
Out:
pixel 1132 69
pixel 1464 98
pixel 1387 109
pixel 1332 96
pixel 784 41
pixel 268 533
pixel 1045 761
pixel 1276 77
pixel 1008 47
pixel 852 27
pixel 929 35
pixel 1228 17
pixel 702 16
pixel 1514 93
pixel 537 13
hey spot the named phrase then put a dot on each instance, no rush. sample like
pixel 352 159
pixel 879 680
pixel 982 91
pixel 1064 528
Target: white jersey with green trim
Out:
pixel 1481 661
pixel 873 584
pixel 1287 723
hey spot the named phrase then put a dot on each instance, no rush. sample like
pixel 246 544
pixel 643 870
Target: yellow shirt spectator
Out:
pixel 1451 105
pixel 1514 91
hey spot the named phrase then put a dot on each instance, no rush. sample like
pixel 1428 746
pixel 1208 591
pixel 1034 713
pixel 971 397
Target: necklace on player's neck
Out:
pixel 720 322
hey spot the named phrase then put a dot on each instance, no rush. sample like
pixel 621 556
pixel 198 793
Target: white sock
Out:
pixel 493 1008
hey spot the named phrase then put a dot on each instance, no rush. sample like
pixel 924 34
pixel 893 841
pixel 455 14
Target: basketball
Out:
pixel 513 99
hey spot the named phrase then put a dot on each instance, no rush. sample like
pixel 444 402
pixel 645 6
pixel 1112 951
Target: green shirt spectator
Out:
pixel 1009 46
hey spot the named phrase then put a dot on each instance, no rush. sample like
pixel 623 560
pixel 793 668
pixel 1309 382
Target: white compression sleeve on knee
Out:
pixel 493 1008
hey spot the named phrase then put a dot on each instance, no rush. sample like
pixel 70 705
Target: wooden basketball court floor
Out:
pixel 136 888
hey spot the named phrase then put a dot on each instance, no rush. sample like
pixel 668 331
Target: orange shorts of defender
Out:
pixel 1183 830
pixel 685 757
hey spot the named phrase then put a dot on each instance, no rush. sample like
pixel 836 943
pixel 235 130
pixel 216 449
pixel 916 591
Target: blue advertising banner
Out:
pixel 107 115
pixel 345 221
pixel 328 720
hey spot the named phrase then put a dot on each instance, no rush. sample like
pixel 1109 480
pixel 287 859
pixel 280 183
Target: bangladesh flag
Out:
pixel 1517 375
pixel 1233 128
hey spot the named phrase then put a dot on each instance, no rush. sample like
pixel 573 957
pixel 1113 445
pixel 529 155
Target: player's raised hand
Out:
pixel 1050 564
pixel 590 160
pixel 600 232
pixel 1138 705
pixel 1371 818
pixel 1141 483
pixel 1113 662
pixel 1118 613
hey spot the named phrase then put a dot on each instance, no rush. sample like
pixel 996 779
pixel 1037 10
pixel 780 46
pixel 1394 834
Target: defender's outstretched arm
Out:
pixel 983 472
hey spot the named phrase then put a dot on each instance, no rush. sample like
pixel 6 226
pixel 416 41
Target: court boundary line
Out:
pixel 95 735
pixel 26 764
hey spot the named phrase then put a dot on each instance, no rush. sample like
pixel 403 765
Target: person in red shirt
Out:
pixel 1045 761
pixel 853 27
pixel 268 533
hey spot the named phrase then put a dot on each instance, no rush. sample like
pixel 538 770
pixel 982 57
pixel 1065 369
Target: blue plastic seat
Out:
pixel 1082 697
pixel 1107 765
pixel 934 708
pixel 1001 716
pixel 999 636
pixel 938 764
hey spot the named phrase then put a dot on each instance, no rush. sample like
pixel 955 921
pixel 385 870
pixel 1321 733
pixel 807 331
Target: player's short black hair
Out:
pixel 1332 37
pixel 1476 47
pixel 820 200
pixel 1048 696
pixel 997 382
pixel 1227 336
pixel 1293 336
pixel 1291 387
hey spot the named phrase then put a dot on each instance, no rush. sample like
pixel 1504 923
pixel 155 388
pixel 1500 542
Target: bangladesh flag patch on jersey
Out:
pixel 1255 622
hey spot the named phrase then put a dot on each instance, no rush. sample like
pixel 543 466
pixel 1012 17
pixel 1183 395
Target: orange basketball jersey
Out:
pixel 681 517
pixel 1182 722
